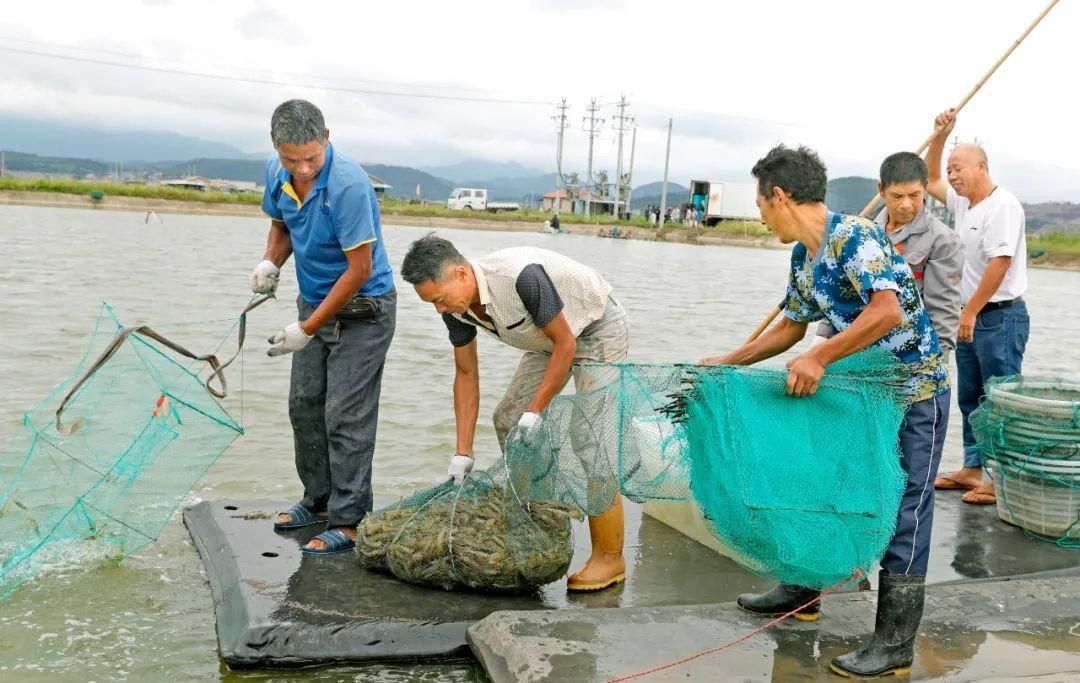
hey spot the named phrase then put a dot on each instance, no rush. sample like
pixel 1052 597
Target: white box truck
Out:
pixel 725 201
pixel 475 199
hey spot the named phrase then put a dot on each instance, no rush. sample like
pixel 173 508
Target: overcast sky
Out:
pixel 854 79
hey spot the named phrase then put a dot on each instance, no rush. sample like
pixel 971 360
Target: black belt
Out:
pixel 996 305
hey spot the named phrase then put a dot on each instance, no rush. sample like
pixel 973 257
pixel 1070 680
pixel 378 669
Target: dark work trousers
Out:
pixel 334 410
pixel 922 438
pixel 996 350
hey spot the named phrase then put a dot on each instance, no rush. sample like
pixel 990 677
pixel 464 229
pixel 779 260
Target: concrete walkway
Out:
pixel 972 631
pixel 275 607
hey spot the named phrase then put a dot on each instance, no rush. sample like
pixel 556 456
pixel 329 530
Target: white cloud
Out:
pixel 856 80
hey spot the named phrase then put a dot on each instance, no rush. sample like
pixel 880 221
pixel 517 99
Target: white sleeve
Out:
pixel 952 200
pixel 1004 226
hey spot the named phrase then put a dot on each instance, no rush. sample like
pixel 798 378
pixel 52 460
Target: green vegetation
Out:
pixel 1052 243
pixel 1055 242
pixel 91 188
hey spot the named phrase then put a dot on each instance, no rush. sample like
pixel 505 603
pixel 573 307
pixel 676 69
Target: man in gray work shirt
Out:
pixel 934 253
pixel 560 313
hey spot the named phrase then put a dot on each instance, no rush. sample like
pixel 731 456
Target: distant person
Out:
pixel 323 211
pixel 561 314
pixel 555 223
pixel 994 322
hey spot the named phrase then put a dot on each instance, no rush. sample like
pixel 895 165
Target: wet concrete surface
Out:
pixel 974 631
pixel 278 608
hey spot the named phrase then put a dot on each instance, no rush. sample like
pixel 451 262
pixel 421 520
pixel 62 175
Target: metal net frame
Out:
pixel 141 430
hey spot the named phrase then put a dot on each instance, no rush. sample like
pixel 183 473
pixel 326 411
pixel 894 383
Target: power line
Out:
pixel 264 81
pixel 276 72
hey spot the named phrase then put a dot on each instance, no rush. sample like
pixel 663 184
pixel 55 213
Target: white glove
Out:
pixel 292 338
pixel 527 428
pixel 460 465
pixel 264 279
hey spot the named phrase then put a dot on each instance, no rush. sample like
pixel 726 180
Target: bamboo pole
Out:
pixel 967 98
pixel 764 324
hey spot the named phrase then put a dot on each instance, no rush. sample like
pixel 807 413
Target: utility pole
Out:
pixel 592 131
pixel 560 182
pixel 3 164
pixel 663 192
pixel 630 174
pixel 620 127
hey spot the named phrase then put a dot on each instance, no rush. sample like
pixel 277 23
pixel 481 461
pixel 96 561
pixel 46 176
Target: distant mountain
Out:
pixel 1052 217
pixel 658 187
pixel 515 189
pixel 650 194
pixel 253 170
pixel 49 138
pixel 405 179
pixel 478 170
pixel 32 163
pixel 850 194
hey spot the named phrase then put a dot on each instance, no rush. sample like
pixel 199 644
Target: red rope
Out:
pixel 854 577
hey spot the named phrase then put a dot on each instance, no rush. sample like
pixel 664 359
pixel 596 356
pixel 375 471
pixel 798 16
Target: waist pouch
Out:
pixel 358 308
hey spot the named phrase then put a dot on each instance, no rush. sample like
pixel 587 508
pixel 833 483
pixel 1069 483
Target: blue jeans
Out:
pixel 922 438
pixel 334 410
pixel 997 350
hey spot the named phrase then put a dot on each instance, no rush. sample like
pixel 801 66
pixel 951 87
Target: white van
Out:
pixel 475 199
pixel 467 198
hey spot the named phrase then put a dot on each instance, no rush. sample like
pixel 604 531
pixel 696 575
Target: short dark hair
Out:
pixel 798 172
pixel 297 122
pixel 427 257
pixel 903 167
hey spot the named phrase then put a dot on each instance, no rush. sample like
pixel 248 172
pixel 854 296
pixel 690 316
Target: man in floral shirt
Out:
pixel 846 271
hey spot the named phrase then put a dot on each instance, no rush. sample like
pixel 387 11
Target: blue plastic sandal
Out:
pixel 336 541
pixel 301 517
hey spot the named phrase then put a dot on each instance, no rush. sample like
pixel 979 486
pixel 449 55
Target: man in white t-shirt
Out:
pixel 994 322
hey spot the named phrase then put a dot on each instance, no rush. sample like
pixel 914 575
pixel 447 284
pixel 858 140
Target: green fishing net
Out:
pixel 101 464
pixel 1028 433
pixel 803 490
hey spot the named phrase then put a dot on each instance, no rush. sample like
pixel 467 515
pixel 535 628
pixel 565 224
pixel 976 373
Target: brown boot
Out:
pixel 606 566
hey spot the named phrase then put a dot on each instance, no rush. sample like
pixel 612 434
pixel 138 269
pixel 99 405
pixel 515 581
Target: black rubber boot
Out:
pixel 781 600
pixel 892 649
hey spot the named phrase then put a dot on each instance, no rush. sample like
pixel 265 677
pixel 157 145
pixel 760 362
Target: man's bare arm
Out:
pixel 775 340
pixel 880 315
pixel 356 274
pixel 466 395
pixel 278 244
pixel 992 278
pixel 938 186
pixel 558 367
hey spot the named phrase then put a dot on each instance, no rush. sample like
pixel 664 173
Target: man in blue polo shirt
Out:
pixel 323 211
